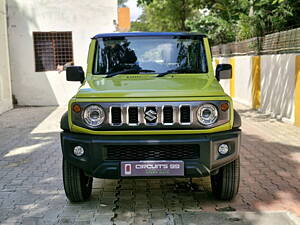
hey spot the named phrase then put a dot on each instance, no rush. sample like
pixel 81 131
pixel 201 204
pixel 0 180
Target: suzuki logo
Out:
pixel 150 115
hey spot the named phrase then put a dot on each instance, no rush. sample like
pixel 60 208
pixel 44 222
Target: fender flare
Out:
pixel 237 121
pixel 64 123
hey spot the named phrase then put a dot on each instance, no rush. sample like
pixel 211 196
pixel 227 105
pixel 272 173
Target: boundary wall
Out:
pixel 269 83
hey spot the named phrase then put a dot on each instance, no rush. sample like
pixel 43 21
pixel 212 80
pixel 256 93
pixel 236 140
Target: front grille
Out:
pixel 151 115
pixel 152 152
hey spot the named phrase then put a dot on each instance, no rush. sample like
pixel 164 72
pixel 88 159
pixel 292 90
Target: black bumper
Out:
pixel 95 162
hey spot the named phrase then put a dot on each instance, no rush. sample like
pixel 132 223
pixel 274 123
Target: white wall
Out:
pixel 83 18
pixel 278 85
pixel 224 83
pixel 243 80
pixel 5 83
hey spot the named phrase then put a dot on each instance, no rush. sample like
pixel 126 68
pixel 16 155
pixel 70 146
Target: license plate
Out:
pixel 152 168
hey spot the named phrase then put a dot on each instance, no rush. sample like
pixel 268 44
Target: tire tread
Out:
pixel 74 188
pixel 225 184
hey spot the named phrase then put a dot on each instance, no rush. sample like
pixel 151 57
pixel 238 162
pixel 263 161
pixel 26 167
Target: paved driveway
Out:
pixel 31 189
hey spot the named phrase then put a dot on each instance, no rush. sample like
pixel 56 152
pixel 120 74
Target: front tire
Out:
pixel 225 184
pixel 78 186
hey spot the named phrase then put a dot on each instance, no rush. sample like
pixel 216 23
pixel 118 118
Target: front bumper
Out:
pixel 94 162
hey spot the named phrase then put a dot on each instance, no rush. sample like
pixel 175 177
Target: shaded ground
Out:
pixel 31 190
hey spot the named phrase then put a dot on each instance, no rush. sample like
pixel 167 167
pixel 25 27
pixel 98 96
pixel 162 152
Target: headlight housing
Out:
pixel 93 116
pixel 207 114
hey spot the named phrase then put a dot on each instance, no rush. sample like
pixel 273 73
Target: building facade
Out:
pixel 5 81
pixel 44 35
pixel 124 19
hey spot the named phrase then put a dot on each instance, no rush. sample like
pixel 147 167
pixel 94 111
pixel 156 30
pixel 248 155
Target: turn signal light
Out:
pixel 76 108
pixel 224 107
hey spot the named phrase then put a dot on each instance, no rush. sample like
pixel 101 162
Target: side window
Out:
pixel 52 50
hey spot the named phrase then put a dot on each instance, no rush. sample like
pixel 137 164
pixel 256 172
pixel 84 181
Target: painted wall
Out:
pixel 225 83
pixel 242 78
pixel 83 18
pixel 124 19
pixel 5 82
pixel 277 85
pixel 269 83
pixel 242 81
pixel 297 91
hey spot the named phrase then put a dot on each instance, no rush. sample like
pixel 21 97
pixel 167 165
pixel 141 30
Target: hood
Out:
pixel 136 86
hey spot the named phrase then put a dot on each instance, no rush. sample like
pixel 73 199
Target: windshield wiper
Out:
pixel 178 70
pixel 127 71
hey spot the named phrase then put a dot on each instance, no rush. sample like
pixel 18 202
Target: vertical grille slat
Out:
pixel 168 115
pixel 116 117
pixel 185 114
pixel 133 115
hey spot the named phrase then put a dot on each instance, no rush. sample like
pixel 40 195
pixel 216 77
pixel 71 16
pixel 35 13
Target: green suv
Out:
pixel 150 105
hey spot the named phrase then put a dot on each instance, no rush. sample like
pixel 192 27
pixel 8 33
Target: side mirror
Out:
pixel 223 71
pixel 75 73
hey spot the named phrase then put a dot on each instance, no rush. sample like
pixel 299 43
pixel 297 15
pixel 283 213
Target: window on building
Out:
pixel 52 49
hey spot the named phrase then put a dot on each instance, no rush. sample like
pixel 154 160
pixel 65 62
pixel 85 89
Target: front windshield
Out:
pixel 184 54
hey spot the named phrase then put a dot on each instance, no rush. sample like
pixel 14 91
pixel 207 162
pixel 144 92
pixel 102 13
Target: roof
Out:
pixel 142 34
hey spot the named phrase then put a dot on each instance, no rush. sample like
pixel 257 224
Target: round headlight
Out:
pixel 93 116
pixel 207 114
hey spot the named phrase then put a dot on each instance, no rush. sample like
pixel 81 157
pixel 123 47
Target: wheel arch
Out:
pixel 64 123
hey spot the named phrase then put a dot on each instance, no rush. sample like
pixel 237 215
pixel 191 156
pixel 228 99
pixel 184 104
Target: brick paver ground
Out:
pixel 31 189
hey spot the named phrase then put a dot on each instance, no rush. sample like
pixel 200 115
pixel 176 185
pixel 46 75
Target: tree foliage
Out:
pixel 122 3
pixel 168 15
pixel 141 24
pixel 222 20
pixel 231 20
pixel 265 16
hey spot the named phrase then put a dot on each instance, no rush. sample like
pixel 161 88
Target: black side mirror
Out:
pixel 75 73
pixel 223 71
